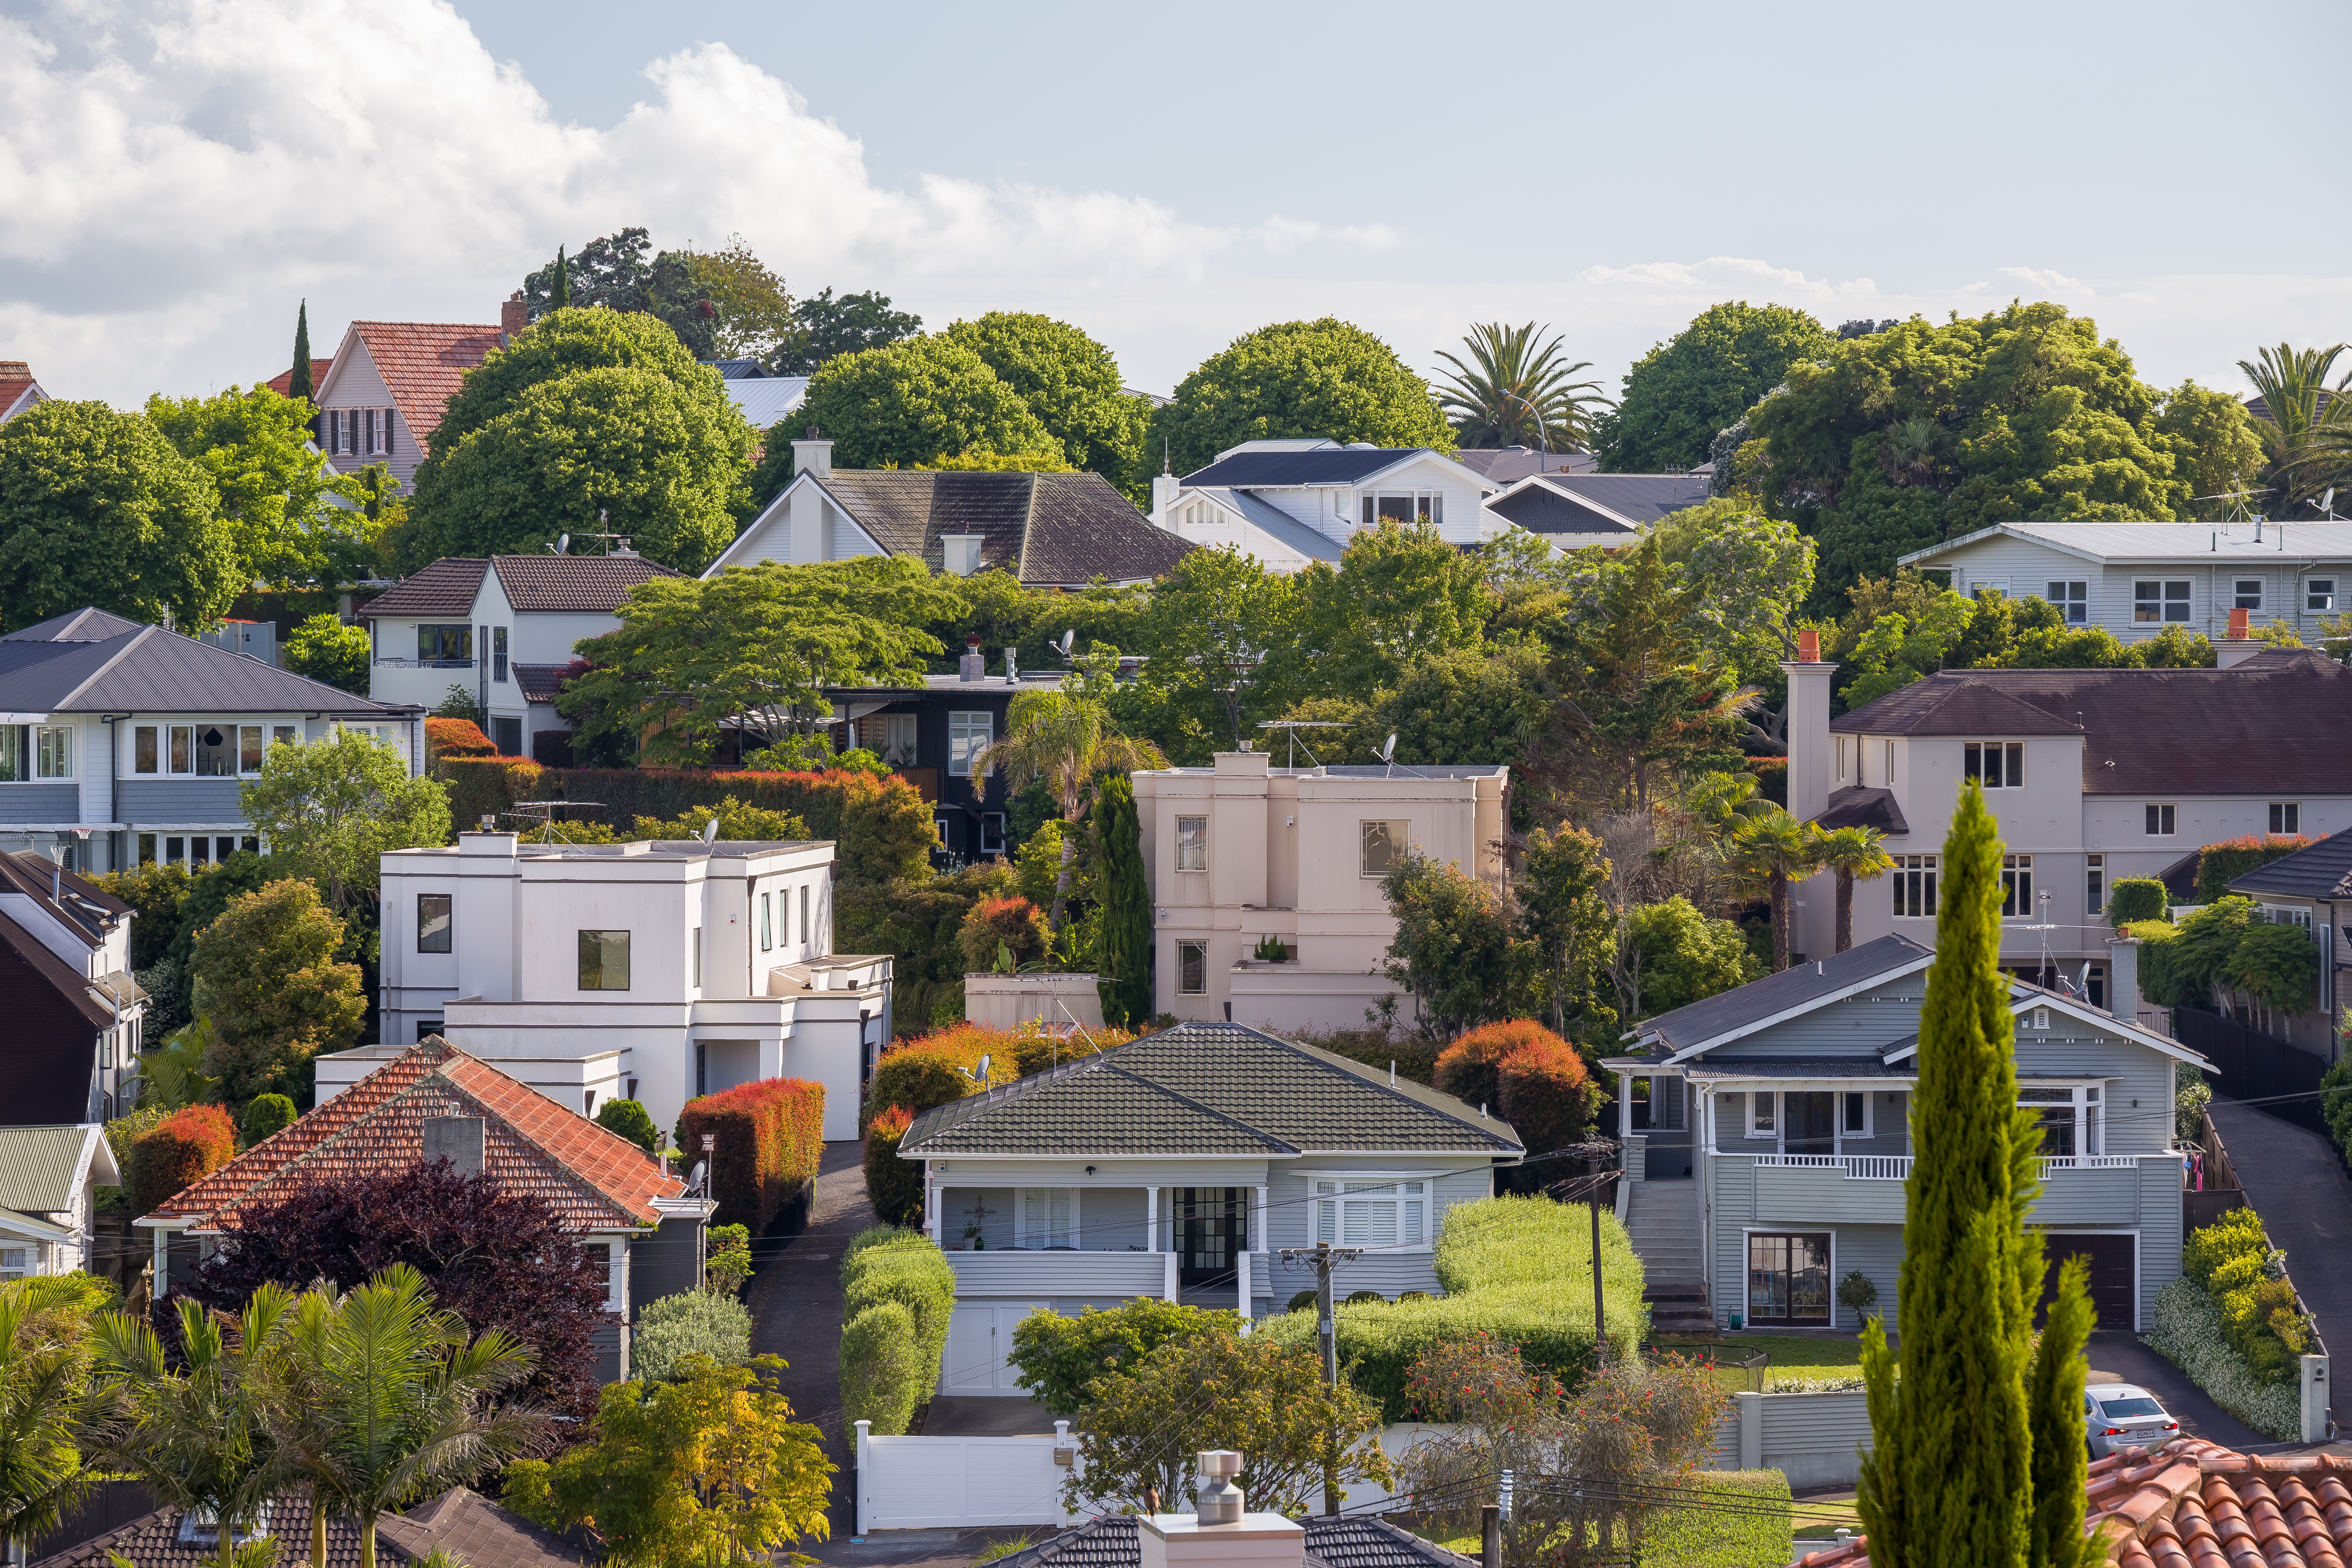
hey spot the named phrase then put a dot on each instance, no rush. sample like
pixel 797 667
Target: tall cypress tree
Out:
pixel 300 385
pixel 1124 981
pixel 559 293
pixel 2062 1462
pixel 1949 1480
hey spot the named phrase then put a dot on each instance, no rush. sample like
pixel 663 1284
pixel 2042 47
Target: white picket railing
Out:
pixel 1897 1167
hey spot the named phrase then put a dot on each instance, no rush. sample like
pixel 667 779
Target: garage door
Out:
pixel 2115 1262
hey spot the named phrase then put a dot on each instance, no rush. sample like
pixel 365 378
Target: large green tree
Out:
pixel 558 345
pixel 760 643
pixel 274 487
pixel 1071 383
pixel 1213 632
pixel 1399 592
pixel 1326 378
pixel 827 328
pixel 299 385
pixel 331 808
pixel 267 976
pixel 1124 953
pixel 1703 378
pixel 1987 1491
pixel 97 508
pixel 915 402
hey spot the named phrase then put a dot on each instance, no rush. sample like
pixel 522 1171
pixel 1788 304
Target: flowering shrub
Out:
pixel 2246 1280
pixel 177 1152
pixel 1470 1068
pixel 2190 1334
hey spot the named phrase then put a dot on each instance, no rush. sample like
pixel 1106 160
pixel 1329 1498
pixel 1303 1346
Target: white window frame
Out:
pixel 2017 888
pixel 1869 1116
pixel 1069 1232
pixel 2286 818
pixel 1914 874
pixel 1198 860
pixel 2239 595
pixel 1840 756
pixel 1333 1192
pixel 172 733
pixel 2095 884
pixel 2156 607
pixel 1768 1125
pixel 1429 504
pixel 2012 771
pixel 2319 594
pixel 2085 1098
pixel 2072 600
pixel 53 748
pixel 2163 820
pixel 970 730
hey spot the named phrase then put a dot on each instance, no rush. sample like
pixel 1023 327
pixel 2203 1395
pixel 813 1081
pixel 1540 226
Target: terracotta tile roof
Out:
pixel 573 585
pixel 282 384
pixel 2194 1504
pixel 594 1179
pixel 422 363
pixel 476 1533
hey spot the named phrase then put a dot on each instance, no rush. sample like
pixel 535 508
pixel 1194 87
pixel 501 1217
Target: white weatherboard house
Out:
pixel 1179 1166
pixel 1290 502
pixel 49 1178
pixel 2137 578
pixel 1788 1101
pixel 2092 774
pixel 653 972
pixel 1242 851
pixel 502 627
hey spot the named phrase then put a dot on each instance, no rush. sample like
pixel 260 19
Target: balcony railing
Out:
pixel 1897 1167
pixel 429 663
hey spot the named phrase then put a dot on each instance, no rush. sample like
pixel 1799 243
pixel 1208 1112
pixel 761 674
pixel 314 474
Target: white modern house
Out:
pixel 122 744
pixel 654 972
pixel 2093 775
pixel 49 1197
pixel 502 628
pixel 1243 851
pixel 1289 502
pixel 1179 1166
pixel 2137 578
pixel 1788 1101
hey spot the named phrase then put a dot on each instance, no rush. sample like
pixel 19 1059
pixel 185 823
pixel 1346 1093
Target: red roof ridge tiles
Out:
pixel 593 1178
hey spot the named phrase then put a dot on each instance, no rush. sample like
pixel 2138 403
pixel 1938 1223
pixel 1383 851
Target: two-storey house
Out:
pixel 1180 1166
pixel 381 396
pixel 1584 510
pixel 2310 888
pixel 1242 851
pixel 1049 530
pixel 2094 774
pixel 1289 502
pixel 121 744
pixel 653 972
pixel 19 390
pixel 1788 1102
pixel 2137 578
pixel 75 1015
pixel 432 1101
pixel 501 628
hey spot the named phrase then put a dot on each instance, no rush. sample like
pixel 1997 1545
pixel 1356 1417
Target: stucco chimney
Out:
pixel 457 1139
pixel 1809 729
pixel 1222 1533
pixel 513 317
pixel 2123 978
pixel 973 666
pixel 812 454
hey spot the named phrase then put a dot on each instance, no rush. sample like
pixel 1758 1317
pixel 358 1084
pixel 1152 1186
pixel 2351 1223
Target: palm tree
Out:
pixel 1066 738
pixel 197 1428
pixel 44 1401
pixel 1851 852
pixel 1775 850
pixel 390 1401
pixel 1517 393
pixel 2296 400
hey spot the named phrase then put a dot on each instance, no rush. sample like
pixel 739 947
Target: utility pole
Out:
pixel 1322 1256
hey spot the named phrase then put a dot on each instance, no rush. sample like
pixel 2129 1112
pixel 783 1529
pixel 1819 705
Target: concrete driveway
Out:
pixel 2297 1185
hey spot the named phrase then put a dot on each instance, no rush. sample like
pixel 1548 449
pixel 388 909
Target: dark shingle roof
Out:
pixel 1114 1541
pixel 152 670
pixel 1325 466
pixel 538 681
pixel 1504 464
pixel 478 1532
pixel 1201 1088
pixel 447 588
pixel 76 626
pixel 1792 989
pixel 2321 870
pixel 2280 722
pixel 1057 530
pixel 1855 806
pixel 580 585
pixel 1598 503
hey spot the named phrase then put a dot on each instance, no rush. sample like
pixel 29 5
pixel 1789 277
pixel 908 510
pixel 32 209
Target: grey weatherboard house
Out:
pixel 1777 1141
pixel 1178 1166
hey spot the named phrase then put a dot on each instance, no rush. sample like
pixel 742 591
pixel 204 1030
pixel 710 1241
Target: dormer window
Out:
pixel 2000 764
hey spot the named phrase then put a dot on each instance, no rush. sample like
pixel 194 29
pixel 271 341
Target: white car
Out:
pixel 2120 1415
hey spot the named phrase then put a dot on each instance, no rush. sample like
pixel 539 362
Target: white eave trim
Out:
pixel 2025 1001
pixel 2000 529
pixel 1922 961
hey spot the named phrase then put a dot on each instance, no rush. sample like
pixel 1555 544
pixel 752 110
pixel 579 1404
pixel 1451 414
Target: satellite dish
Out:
pixel 710 830
pixel 1388 751
pixel 1070 637
pixel 980 1073
pixel 563 543
pixel 694 1178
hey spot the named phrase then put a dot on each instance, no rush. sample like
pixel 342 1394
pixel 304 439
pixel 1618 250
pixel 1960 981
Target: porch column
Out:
pixel 1624 1101
pixel 931 1206
pixel 1259 1232
pixel 1169 1287
pixel 1151 1219
pixel 1242 1278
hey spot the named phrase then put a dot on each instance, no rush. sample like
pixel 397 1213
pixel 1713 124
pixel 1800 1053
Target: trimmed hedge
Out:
pixel 1470 1068
pixel 1012 923
pixel 2219 864
pixel 894 1186
pixel 1058 1357
pixel 1737 1531
pixel 455 738
pixel 888 1274
pixel 629 1119
pixel 2189 1331
pixel 266 1114
pixel 2138 899
pixel 2233 1261
pixel 771 1136
pixel 881 828
pixel 177 1152
pixel 1519 1268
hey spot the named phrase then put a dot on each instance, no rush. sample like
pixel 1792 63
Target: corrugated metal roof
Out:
pixel 2185 542
pixel 152 670
pixel 37 1167
pixel 76 626
pixel 764 399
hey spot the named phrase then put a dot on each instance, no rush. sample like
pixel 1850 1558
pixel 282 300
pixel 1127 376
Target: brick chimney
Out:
pixel 513 317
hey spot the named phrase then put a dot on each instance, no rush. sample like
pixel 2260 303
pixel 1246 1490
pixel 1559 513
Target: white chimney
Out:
pixel 1165 489
pixel 812 454
pixel 973 666
pixel 1223 1533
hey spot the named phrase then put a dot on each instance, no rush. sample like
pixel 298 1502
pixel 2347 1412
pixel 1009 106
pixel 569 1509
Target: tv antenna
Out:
pixel 1292 726
pixel 542 813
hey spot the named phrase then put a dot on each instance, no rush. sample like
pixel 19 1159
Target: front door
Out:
pixel 1813 1122
pixel 1209 1228
pixel 1788 1278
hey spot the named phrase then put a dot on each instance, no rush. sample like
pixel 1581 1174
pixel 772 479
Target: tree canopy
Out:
pixel 916 402
pixel 331 808
pixel 1703 378
pixel 1070 381
pixel 1517 392
pixel 1321 378
pixel 274 487
pixel 266 975
pixel 621 273
pixel 97 508
pixel 828 327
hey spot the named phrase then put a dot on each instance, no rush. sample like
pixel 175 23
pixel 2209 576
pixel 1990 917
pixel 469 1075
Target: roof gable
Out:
pixel 90 625
pixel 447 588
pixel 421 363
pixel 41 1167
pixel 1804 988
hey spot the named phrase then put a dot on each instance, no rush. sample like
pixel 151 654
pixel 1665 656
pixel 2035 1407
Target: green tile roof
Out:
pixel 1208 1088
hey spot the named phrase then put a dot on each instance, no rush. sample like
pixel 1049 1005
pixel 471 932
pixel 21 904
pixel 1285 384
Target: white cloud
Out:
pixel 177 172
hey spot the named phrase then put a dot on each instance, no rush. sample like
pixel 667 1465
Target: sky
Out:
pixel 178 175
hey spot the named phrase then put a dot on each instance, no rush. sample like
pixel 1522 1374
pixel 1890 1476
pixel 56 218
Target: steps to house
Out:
pixel 1663 1221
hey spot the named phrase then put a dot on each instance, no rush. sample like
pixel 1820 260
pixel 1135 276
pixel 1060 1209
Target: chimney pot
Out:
pixel 1808 647
pixel 2240 627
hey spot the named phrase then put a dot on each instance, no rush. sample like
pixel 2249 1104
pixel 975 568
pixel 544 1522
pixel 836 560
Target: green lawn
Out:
pixel 1793 1356
pixel 1745 1530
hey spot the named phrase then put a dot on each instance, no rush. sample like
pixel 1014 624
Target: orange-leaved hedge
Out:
pixel 177 1154
pixel 455 738
pixel 1547 1095
pixel 1469 1069
pixel 771 1135
pixel 881 828
pixel 1012 923
pixel 2218 865
pixel 893 1185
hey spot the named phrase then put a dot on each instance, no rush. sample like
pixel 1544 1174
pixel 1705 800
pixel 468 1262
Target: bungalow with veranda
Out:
pixel 1778 1140
pixel 1179 1166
